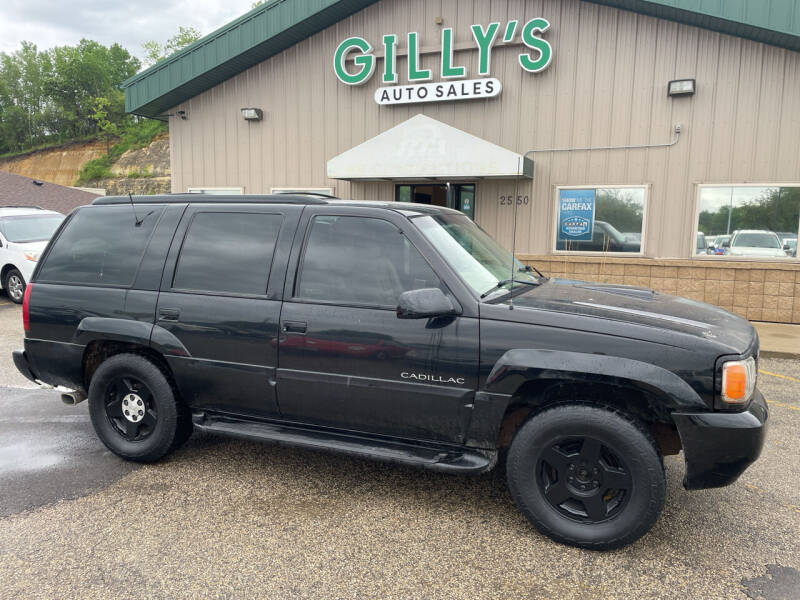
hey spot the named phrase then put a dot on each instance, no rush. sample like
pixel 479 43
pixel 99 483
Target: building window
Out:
pixel 600 219
pixel 748 221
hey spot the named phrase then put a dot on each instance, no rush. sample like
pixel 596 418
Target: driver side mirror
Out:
pixel 726 244
pixel 787 248
pixel 424 303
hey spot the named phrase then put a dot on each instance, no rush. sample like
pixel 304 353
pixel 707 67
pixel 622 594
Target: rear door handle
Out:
pixel 168 314
pixel 295 326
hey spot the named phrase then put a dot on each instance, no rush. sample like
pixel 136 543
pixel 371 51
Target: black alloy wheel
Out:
pixel 587 475
pixel 130 408
pixel 135 410
pixel 583 479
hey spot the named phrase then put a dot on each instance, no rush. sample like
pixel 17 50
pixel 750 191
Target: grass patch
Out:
pixel 50 145
pixel 136 136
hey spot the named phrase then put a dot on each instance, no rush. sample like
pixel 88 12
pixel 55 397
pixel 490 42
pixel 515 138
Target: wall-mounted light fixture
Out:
pixel 182 114
pixel 252 114
pixel 681 87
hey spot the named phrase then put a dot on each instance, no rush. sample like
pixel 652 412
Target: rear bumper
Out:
pixel 23 365
pixel 718 447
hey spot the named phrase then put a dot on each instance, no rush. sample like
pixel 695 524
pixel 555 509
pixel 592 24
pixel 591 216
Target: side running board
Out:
pixel 456 459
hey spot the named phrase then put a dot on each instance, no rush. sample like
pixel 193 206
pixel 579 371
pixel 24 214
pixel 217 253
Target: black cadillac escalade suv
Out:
pixel 394 331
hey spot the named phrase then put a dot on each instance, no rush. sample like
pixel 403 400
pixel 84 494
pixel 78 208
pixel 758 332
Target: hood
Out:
pixel 748 251
pixel 28 246
pixel 643 307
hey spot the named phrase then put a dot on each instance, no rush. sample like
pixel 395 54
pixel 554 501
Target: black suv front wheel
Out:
pixel 134 409
pixel 587 476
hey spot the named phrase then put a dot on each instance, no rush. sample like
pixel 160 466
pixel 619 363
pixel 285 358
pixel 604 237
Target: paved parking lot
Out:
pixel 224 518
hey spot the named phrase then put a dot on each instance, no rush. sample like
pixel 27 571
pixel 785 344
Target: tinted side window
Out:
pixel 359 260
pixel 227 253
pixel 101 245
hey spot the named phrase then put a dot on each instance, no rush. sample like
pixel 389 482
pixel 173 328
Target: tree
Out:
pixel 155 52
pixel 50 95
pixel 109 128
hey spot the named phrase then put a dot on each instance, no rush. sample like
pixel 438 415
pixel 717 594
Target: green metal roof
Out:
pixel 279 24
pixel 775 22
pixel 252 38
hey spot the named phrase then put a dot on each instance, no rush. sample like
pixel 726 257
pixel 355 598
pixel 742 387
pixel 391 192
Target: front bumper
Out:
pixel 718 446
pixel 23 365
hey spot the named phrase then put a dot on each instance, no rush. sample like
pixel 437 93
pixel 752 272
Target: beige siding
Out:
pixel 606 86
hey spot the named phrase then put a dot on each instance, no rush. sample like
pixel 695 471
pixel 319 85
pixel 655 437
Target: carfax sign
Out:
pixel 576 215
pixel 355 62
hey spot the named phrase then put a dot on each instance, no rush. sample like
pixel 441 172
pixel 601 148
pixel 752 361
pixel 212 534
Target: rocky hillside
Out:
pixel 59 165
pixel 140 171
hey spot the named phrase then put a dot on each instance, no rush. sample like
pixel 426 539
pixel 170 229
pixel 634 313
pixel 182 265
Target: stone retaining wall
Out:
pixel 763 291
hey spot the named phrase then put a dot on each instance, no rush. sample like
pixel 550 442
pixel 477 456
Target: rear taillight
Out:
pixel 26 302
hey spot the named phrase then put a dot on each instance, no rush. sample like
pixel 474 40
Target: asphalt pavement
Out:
pixel 225 518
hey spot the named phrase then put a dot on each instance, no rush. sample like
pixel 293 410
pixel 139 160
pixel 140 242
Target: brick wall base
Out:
pixel 758 291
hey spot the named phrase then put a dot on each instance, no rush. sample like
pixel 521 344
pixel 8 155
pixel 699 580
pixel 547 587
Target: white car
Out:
pixel 24 233
pixel 754 242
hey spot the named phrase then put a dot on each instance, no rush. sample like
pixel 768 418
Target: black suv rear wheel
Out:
pixel 134 410
pixel 586 476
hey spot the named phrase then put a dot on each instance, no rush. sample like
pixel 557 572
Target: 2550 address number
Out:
pixel 509 200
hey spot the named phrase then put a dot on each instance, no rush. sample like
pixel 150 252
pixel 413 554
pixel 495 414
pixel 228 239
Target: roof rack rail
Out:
pixel 315 194
pixel 211 199
pixel 21 206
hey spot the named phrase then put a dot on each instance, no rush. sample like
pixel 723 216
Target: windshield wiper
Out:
pixel 500 284
pixel 529 268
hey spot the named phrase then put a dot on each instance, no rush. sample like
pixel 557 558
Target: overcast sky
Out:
pixel 49 23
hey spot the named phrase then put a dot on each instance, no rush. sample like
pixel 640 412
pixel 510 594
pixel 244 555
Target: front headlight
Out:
pixel 738 381
pixel 34 256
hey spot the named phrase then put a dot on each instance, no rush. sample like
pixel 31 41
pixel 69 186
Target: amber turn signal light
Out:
pixel 738 380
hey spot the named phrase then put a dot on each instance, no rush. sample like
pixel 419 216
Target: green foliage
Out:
pixel 51 96
pixel 776 209
pixel 619 207
pixel 99 168
pixel 137 135
pixel 155 52
pixel 136 174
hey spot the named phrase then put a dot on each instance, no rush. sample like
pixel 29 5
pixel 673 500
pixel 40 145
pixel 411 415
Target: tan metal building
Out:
pixel 443 101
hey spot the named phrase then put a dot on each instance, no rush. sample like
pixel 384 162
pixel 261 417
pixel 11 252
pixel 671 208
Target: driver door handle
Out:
pixel 168 314
pixel 295 326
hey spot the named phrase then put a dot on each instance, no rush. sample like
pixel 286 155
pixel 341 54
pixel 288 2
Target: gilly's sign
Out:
pixel 536 57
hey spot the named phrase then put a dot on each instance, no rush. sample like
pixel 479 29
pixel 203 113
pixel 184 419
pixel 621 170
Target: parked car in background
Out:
pixel 790 246
pixel 633 237
pixel 701 244
pixel 605 238
pixel 754 242
pixel 717 244
pixel 24 233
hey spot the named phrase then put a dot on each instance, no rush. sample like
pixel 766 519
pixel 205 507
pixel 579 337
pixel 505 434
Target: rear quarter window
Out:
pixel 101 245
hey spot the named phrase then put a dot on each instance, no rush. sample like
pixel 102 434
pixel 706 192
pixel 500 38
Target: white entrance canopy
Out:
pixel 423 148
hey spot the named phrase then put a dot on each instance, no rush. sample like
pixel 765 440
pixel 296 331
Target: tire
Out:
pixel 156 422
pixel 586 476
pixel 14 285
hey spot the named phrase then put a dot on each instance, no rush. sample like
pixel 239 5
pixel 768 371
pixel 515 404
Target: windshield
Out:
pixel 757 240
pixel 30 228
pixel 480 261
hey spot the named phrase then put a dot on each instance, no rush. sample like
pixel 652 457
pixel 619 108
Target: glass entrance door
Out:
pixel 460 196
